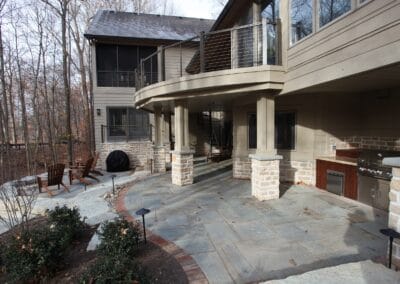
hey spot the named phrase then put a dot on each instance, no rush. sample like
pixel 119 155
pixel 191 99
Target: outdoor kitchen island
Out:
pixel 358 174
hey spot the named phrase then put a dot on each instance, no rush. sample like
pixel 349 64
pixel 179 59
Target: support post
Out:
pixel 182 156
pixel 265 163
pixel 158 148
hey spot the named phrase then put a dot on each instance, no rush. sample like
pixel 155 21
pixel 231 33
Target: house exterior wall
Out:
pixel 366 38
pixel 324 121
pixel 104 97
pixel 173 61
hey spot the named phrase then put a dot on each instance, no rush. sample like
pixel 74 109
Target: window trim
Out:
pixel 355 5
pixel 352 8
pixel 120 137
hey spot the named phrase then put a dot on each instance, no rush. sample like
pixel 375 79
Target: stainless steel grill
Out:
pixel 370 164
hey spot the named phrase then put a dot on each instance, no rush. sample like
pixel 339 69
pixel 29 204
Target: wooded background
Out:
pixel 46 100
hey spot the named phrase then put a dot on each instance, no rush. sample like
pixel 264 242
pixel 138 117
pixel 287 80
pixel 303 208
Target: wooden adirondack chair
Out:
pixel 81 173
pixel 55 175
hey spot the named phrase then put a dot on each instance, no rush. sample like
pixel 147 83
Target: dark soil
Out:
pixel 160 267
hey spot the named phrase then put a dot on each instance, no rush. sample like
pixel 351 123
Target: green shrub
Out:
pixel 36 254
pixel 119 238
pixel 114 269
pixel 66 223
pixel 32 255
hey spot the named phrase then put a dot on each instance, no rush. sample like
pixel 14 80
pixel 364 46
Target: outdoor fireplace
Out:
pixel 117 161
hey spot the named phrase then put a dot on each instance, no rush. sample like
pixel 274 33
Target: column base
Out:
pixel 159 159
pixel 182 167
pixel 265 176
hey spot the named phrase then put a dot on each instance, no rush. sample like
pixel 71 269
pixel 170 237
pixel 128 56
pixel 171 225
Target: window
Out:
pixel 332 9
pixel 128 123
pixel 285 123
pixel 252 122
pixel 301 17
pixel 270 12
pixel 116 64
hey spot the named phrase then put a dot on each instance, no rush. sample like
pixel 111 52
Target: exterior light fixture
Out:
pixel 98 111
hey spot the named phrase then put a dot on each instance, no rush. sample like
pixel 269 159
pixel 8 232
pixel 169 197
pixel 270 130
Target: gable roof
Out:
pixel 112 24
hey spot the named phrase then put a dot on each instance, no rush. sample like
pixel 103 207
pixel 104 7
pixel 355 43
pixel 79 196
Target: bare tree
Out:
pixel 62 11
pixel 17 201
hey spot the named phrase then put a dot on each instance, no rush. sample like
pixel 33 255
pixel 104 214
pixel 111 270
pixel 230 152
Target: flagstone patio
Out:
pixel 235 238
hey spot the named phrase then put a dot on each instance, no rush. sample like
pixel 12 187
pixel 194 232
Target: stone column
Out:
pixel 394 206
pixel 158 148
pixel 182 156
pixel 265 163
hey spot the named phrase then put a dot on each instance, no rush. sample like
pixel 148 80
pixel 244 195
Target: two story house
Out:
pixel 118 43
pixel 305 91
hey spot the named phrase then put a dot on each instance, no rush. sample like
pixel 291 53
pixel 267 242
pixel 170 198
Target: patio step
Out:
pixel 200 160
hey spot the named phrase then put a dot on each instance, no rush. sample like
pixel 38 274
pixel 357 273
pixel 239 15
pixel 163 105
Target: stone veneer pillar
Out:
pixel 265 177
pixel 182 156
pixel 158 148
pixel 265 163
pixel 394 206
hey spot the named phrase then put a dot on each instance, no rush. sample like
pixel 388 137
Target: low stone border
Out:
pixel 193 272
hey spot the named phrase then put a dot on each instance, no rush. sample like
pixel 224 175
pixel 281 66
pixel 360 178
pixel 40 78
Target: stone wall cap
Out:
pixel 183 152
pixel 391 162
pixel 265 157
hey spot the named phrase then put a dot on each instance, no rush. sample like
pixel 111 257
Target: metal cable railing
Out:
pixel 238 47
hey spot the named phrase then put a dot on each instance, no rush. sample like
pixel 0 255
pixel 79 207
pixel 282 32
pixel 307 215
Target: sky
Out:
pixel 207 9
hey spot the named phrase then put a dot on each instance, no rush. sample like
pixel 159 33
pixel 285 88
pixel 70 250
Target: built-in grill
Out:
pixel 370 164
pixel 374 178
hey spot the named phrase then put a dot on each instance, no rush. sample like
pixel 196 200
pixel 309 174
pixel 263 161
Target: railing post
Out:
pixel 127 132
pixel 202 52
pixel 264 41
pixel 180 60
pixel 278 42
pixel 142 83
pixel 102 133
pixel 162 64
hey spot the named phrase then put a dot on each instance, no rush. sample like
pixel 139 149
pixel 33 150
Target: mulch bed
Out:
pixel 159 265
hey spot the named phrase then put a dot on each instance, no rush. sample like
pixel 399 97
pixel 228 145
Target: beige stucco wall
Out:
pixel 344 120
pixel 366 38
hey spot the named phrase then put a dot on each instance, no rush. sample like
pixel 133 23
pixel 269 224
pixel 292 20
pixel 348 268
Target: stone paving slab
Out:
pixel 235 238
pixel 365 272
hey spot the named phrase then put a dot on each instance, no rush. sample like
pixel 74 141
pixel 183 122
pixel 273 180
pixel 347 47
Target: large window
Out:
pixel 332 9
pixel 128 123
pixel 116 64
pixel 285 125
pixel 301 17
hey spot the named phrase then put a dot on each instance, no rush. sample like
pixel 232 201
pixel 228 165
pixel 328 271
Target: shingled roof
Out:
pixel 108 24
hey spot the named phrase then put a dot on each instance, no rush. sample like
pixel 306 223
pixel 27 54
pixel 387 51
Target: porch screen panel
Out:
pixel 301 18
pixel 106 64
pixel 332 9
pixel 150 66
pixel 127 63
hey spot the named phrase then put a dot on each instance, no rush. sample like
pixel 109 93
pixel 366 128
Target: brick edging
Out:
pixel 193 272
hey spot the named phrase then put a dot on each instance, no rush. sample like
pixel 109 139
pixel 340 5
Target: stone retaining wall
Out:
pixel 139 152
pixel 241 168
pixel 297 171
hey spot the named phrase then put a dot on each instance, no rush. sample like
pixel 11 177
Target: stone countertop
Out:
pixel 340 160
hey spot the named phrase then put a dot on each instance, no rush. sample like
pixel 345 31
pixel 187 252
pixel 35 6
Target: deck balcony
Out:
pixel 237 60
